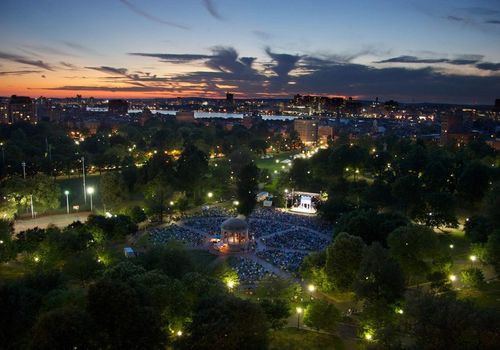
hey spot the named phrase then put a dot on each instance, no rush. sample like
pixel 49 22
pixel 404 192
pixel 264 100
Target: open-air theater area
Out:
pixel 271 241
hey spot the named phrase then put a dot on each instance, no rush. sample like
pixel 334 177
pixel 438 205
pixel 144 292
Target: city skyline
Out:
pixel 162 49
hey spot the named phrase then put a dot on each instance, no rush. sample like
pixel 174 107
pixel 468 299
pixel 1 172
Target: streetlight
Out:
pixel 90 191
pixel 286 198
pixel 299 311
pixel 311 288
pixel 84 188
pixel 3 153
pixel 23 164
pixel 230 285
pixel 236 203
pixel 67 201
pixel 453 278
pixel 210 194
pixel 473 258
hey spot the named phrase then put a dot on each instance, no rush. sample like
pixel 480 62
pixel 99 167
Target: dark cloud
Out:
pixel 144 14
pixel 68 65
pixel 456 19
pixel 212 9
pixel 20 72
pixel 466 59
pixel 171 57
pixel 489 66
pixel 43 76
pixel 284 63
pixel 110 70
pixel 25 60
pixel 492 21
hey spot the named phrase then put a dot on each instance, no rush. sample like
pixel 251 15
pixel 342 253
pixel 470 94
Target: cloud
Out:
pixel 492 21
pixel 284 63
pixel 20 72
pixel 79 47
pixel 68 65
pixel 110 70
pixel 262 34
pixel 172 57
pixel 48 50
pixel 25 60
pixel 456 19
pixel 212 9
pixel 462 60
pixel 43 76
pixel 489 66
pixel 144 14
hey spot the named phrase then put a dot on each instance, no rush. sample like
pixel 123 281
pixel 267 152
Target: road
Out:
pixel 61 220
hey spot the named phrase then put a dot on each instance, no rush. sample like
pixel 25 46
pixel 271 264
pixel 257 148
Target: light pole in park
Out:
pixel 90 191
pixel 67 201
pixel 299 312
pixel 286 198
pixel 84 188
pixel 23 164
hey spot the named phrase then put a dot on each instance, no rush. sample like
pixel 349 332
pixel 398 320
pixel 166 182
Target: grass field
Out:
pixel 295 339
pixel 270 163
pixel 487 297
pixel 75 188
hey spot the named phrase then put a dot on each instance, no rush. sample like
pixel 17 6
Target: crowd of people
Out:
pixel 209 225
pixel 286 260
pixel 175 233
pixel 312 222
pixel 297 239
pixel 249 272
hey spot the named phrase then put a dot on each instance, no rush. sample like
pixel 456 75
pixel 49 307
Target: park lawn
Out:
pixel 270 163
pixel 295 339
pixel 75 187
pixel 456 237
pixel 487 297
pixel 12 270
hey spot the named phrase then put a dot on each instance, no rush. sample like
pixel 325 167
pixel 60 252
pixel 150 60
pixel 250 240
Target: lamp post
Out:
pixel 32 209
pixel 23 164
pixel 67 201
pixel 3 153
pixel 299 311
pixel 90 191
pixel 84 188
pixel 286 198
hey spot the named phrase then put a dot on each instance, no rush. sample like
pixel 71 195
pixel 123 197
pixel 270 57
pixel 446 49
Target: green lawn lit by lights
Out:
pixel 294 339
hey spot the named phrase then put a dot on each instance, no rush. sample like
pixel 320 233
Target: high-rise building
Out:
pixel 119 107
pixel 229 99
pixel 21 108
pixel 307 130
pixel 496 107
pixel 325 133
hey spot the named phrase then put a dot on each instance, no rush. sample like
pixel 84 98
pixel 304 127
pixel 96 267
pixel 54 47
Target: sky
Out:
pixel 410 51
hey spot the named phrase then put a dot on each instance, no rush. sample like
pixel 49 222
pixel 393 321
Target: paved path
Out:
pixel 61 220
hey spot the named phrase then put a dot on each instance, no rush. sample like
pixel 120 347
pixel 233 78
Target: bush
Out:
pixel 472 277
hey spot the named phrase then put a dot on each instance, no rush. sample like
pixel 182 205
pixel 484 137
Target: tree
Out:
pixel 477 228
pixel 413 247
pixel 320 314
pixel 157 193
pixel 439 210
pixel 492 203
pixel 227 323
pixel 379 277
pixel 7 248
pixel 277 312
pixel 492 248
pixel 442 322
pixel 473 182
pixel 472 277
pixel 191 167
pixel 343 258
pixel 121 319
pixel 408 192
pixel 64 328
pixel 82 266
pixel 247 189
pixel 113 190
pixel 137 214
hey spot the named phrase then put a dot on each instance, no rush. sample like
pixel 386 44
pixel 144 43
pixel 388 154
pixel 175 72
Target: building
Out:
pixel 325 133
pixel 454 129
pixel 185 117
pixel 4 112
pixel 307 130
pixel 21 109
pixel 119 107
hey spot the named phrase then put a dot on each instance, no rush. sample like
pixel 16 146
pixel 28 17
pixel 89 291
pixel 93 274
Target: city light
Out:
pixel 210 194
pixel 473 258
pixel 90 190
pixel 299 310
pixel 453 278
pixel 311 288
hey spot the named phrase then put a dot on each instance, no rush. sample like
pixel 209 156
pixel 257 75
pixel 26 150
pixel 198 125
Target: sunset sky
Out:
pixel 413 51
